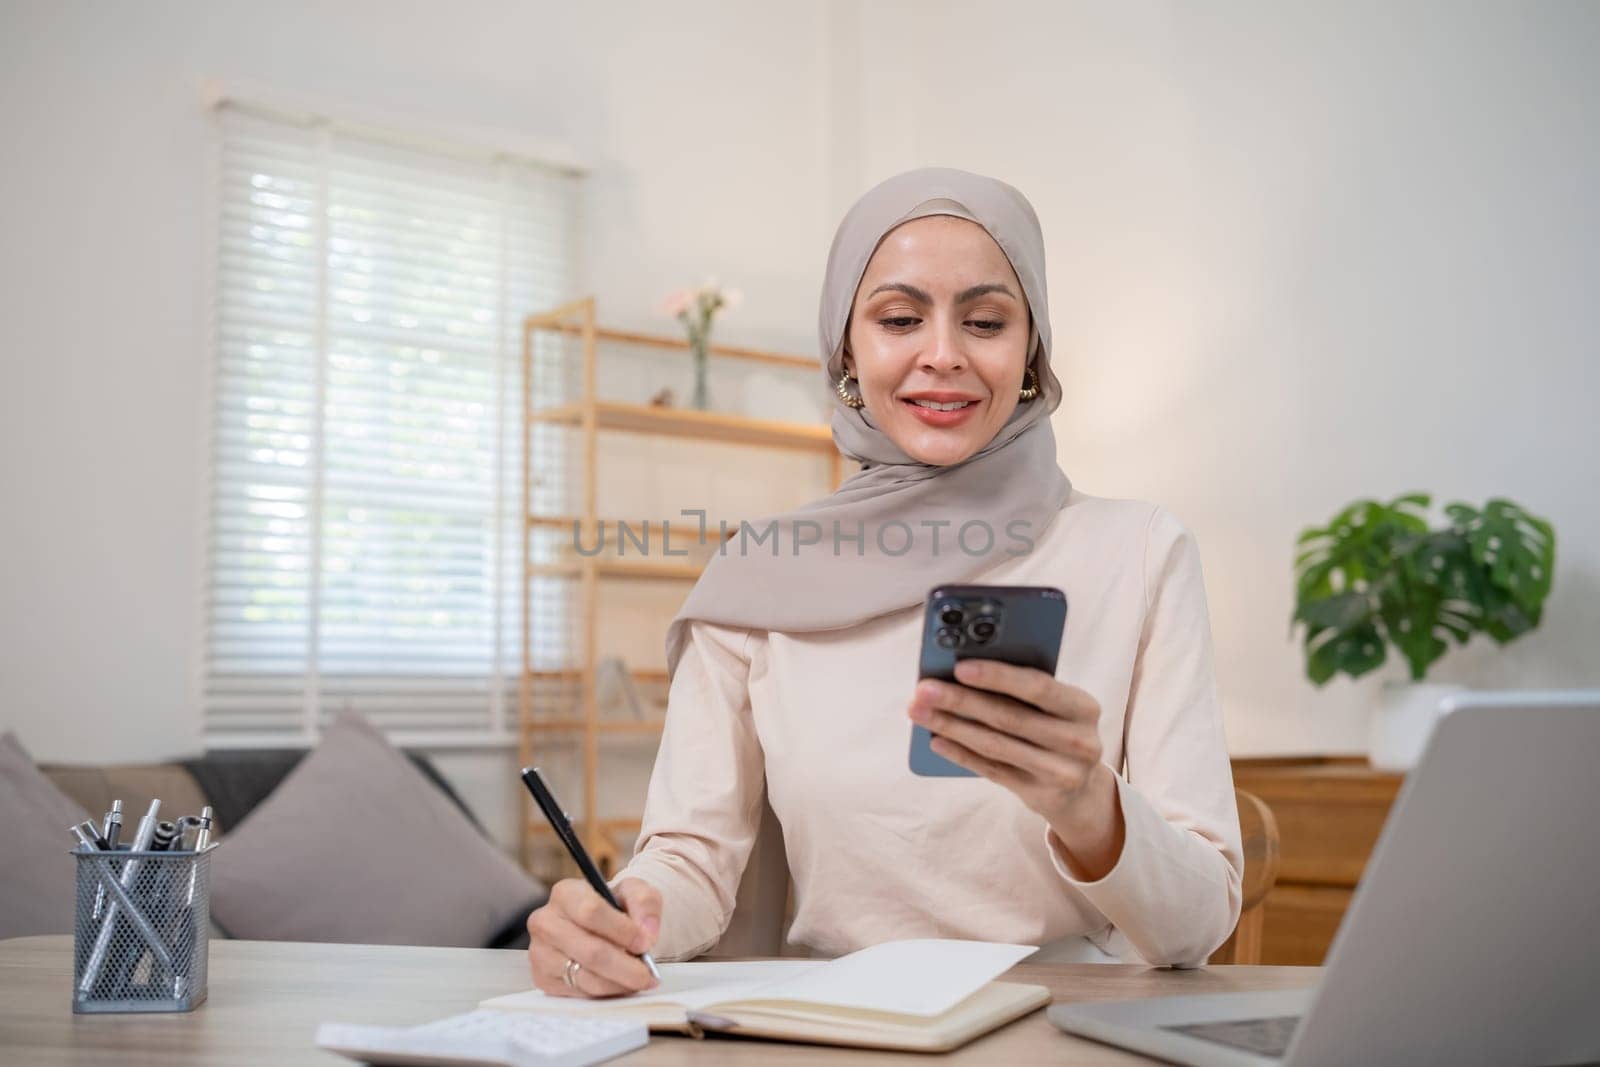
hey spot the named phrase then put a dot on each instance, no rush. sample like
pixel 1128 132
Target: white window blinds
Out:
pixel 366 485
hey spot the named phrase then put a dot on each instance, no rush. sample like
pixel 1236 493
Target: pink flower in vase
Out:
pixel 697 308
pixel 677 303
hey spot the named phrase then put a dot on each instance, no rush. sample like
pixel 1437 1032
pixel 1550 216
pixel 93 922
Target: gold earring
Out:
pixel 1030 391
pixel 850 400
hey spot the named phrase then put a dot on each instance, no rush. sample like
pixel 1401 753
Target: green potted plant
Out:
pixel 1377 576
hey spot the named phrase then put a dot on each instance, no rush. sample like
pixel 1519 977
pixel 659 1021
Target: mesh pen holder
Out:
pixel 140 930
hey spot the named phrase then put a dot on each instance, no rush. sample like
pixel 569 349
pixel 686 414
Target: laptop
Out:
pixel 1474 936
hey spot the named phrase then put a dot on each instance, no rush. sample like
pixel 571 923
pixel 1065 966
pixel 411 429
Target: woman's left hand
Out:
pixel 1026 730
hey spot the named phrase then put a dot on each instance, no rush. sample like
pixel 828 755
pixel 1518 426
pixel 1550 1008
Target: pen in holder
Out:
pixel 145 946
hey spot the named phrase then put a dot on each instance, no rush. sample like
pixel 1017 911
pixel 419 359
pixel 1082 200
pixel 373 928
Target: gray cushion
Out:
pixel 38 878
pixel 357 846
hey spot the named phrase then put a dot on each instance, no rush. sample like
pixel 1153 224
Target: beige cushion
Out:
pixel 136 785
pixel 355 845
pixel 38 878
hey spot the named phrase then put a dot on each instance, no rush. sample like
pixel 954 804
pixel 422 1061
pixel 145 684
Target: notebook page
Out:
pixel 924 977
pixel 687 985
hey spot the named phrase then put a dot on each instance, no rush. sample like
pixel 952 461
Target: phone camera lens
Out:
pixel 981 629
pixel 948 637
pixel 950 614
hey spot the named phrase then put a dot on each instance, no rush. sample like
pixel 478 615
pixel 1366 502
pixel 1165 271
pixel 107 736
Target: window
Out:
pixel 365 459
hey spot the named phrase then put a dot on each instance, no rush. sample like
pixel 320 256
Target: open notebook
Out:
pixel 926 996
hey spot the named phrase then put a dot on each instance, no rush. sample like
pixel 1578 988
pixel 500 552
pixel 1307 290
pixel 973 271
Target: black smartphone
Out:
pixel 1020 624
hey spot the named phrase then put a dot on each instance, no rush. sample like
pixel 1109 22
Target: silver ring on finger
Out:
pixel 569 975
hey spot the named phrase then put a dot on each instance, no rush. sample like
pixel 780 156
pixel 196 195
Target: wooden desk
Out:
pixel 266 999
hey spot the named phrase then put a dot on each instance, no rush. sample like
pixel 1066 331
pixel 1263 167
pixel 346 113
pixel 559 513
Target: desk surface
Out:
pixel 266 999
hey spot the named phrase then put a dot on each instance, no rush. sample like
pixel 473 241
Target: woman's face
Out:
pixel 939 317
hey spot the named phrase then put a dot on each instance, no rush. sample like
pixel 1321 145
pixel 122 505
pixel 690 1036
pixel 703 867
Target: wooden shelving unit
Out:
pixel 702 425
pixel 592 416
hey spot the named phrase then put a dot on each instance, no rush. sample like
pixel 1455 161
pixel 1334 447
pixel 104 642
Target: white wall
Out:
pixel 1297 256
pixel 703 127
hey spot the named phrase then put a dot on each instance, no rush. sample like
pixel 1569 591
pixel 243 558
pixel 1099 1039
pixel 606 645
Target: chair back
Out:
pixel 761 905
pixel 1259 831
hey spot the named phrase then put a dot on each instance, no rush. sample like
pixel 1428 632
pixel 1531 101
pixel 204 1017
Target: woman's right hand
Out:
pixel 577 924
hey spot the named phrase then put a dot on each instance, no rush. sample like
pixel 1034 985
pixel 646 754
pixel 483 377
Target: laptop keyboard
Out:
pixel 1265 1037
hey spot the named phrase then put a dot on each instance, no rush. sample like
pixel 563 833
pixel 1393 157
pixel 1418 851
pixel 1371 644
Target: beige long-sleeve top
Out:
pixel 878 853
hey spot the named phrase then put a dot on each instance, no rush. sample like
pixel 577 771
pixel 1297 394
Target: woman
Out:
pixel 1102 816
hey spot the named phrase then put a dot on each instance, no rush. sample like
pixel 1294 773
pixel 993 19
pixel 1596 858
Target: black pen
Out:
pixel 562 824
pixel 112 828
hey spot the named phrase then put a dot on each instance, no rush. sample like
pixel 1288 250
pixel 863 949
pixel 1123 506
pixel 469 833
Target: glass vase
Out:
pixel 701 399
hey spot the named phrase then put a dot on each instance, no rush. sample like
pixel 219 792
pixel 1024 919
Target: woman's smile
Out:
pixel 942 408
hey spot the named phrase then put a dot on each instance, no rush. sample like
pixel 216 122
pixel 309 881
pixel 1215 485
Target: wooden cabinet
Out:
pixel 1329 813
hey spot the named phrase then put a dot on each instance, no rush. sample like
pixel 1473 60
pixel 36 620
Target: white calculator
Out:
pixel 488 1039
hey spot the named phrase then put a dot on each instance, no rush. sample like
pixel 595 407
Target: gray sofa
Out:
pixel 232 783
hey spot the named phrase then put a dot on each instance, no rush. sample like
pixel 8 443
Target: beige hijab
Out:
pixel 919 524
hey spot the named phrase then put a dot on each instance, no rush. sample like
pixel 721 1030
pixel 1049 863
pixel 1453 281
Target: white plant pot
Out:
pixel 1403 721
